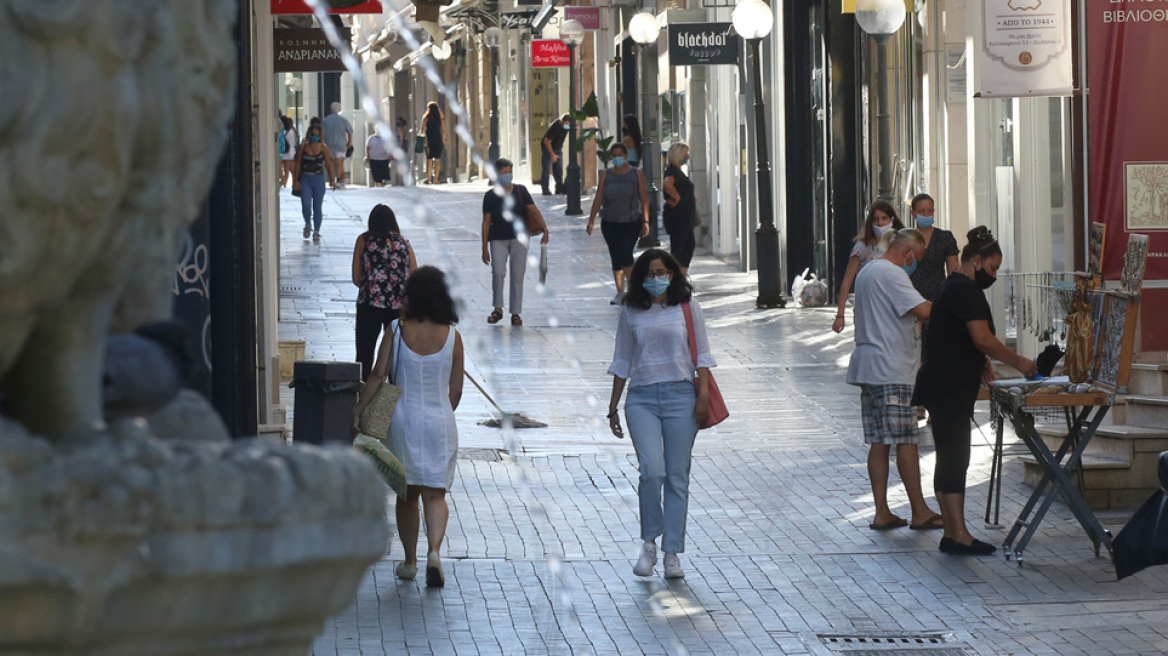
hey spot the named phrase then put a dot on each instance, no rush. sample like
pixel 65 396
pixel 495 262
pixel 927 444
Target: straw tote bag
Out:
pixel 718 409
pixel 376 416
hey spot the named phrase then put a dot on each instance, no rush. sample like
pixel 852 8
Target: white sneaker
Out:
pixel 616 300
pixel 648 559
pixel 673 568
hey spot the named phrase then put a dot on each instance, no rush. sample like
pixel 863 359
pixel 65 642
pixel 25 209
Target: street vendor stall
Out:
pixel 1098 367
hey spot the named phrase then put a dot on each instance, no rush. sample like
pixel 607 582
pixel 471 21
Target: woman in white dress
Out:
pixel 427 358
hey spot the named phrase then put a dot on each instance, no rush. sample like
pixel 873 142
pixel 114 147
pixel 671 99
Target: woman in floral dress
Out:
pixel 382 260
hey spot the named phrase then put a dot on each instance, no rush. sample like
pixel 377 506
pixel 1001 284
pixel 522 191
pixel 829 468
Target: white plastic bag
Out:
pixel 543 264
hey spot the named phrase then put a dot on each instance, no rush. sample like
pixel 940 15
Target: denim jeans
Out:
pixel 311 199
pixel 663 429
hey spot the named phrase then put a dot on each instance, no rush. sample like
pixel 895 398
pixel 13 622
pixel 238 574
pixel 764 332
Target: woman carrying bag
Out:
pixel 658 359
pixel 427 356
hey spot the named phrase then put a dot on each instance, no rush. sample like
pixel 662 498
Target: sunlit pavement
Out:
pixel 780 560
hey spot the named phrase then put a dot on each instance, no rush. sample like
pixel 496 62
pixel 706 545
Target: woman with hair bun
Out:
pixel 958 351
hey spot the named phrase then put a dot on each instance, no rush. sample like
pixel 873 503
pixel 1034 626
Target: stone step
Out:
pixel 1148 379
pixel 1149 411
pixel 1109 483
pixel 1113 442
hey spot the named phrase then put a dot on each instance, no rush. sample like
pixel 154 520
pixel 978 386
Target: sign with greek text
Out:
pixel 589 17
pixel 335 7
pixel 703 44
pixel 1127 45
pixel 549 53
pixel 306 49
pixel 1026 48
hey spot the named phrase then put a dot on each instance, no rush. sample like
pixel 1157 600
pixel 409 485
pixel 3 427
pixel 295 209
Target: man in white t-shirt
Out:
pixel 884 366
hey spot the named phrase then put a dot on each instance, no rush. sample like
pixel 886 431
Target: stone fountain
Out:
pixel 145 530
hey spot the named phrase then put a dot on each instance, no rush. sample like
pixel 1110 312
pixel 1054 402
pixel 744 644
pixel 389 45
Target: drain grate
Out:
pixel 484 455
pixel 914 644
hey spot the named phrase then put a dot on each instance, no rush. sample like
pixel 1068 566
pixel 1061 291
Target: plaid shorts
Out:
pixel 888 414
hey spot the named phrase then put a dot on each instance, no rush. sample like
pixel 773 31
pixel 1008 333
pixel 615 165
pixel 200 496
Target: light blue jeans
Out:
pixel 311 199
pixel 663 429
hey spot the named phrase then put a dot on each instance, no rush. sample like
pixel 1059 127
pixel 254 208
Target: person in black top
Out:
pixel 552 154
pixel 434 127
pixel 503 205
pixel 680 210
pixel 958 348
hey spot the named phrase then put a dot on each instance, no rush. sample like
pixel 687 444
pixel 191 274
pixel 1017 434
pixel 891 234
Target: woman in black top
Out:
pixel 680 210
pixel 434 127
pixel 958 349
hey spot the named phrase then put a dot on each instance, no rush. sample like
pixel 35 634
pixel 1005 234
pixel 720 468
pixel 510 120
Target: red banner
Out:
pixel 1128 140
pixel 335 7
pixel 549 53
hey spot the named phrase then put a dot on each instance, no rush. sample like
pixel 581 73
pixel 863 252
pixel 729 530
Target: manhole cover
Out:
pixel 486 455
pixel 914 644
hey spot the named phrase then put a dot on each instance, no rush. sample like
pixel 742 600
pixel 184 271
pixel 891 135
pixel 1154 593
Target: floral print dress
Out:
pixel 386 265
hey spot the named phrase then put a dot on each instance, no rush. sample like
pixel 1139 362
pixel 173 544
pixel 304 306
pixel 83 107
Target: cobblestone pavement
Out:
pixel 780 559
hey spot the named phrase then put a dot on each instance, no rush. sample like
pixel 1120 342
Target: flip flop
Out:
pixel 897 522
pixel 934 522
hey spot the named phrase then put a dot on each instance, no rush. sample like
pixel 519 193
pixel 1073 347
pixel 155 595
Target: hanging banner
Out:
pixel 335 7
pixel 703 44
pixel 849 6
pixel 550 53
pixel 1026 49
pixel 1128 191
pixel 306 49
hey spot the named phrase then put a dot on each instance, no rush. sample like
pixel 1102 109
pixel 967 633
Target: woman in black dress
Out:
pixel 680 209
pixel 434 127
pixel 940 258
pixel 958 349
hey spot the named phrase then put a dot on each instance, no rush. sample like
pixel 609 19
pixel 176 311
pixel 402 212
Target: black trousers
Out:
pixel 556 170
pixel 951 435
pixel 682 241
pixel 371 324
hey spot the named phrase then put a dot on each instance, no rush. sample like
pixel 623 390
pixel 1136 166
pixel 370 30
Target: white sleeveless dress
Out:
pixel 423 434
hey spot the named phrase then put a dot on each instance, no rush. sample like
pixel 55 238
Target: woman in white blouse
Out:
pixel 664 407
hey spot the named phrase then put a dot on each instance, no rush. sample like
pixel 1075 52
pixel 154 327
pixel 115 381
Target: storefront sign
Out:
pixel 306 49
pixel 335 7
pixel 703 44
pixel 516 20
pixel 589 17
pixel 549 53
pixel 1026 48
pixel 1127 45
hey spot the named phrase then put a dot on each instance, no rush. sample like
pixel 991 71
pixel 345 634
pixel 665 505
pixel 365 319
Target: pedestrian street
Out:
pixel 779 558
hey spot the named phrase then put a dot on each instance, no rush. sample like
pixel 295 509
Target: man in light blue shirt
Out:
pixel 884 366
pixel 338 136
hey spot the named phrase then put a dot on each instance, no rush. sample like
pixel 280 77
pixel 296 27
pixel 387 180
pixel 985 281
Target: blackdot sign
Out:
pixel 703 44
pixel 550 53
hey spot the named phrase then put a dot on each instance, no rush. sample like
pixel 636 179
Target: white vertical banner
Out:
pixel 1025 49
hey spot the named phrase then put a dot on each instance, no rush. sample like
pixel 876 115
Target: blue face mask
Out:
pixel 314 138
pixel 685 160
pixel 505 179
pixel 656 286
pixel 567 126
pixel 618 162
pixel 910 268
pixel 924 221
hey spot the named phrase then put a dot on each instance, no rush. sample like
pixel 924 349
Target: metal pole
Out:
pixel 572 184
pixel 770 293
pixel 652 239
pixel 493 150
pixel 883 121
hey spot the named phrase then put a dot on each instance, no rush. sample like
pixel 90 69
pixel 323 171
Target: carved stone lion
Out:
pixel 113 115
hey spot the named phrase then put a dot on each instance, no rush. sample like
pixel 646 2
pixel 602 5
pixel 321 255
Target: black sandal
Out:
pixel 496 317
pixel 516 321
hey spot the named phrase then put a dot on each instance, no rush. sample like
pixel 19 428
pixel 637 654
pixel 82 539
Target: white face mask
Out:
pixel 881 230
